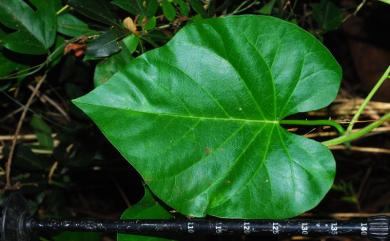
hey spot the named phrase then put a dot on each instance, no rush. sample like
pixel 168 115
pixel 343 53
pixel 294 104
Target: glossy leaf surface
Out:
pixel 108 67
pixel 107 44
pixel 34 30
pixel 199 117
pixel 72 26
pixel 147 208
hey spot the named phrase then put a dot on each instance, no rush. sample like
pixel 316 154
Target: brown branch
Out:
pixel 44 98
pixel 8 165
pixel 375 150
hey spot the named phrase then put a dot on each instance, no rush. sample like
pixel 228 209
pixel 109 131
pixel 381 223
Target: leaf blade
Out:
pixel 35 28
pixel 209 104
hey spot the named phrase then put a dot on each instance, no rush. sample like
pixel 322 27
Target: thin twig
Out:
pixel 26 137
pixel 379 130
pixel 8 164
pixel 374 150
pixel 53 168
pixel 43 98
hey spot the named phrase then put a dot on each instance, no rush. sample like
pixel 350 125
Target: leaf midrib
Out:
pixel 184 116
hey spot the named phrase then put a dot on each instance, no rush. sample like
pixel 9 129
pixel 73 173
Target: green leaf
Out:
pixel 107 44
pixel 98 10
pixel 147 208
pixel 183 6
pixel 35 30
pixel 134 7
pixel 108 67
pixel 168 10
pixel 72 26
pixel 43 132
pixel 131 43
pixel 198 8
pixel 385 1
pixel 199 117
pixel 151 23
pixel 327 15
pixel 8 66
pixel 267 8
pixel 151 8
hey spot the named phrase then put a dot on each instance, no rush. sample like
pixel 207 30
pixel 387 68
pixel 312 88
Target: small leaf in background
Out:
pixel 150 23
pixel 134 7
pixel 8 66
pixel 43 132
pixel 131 43
pixel 105 45
pixel 107 67
pixel 147 208
pixel 168 10
pixel 183 7
pixel 327 15
pixel 72 26
pixel 198 8
pixel 129 24
pixel 35 30
pixel 267 8
pixel 151 8
pixel 98 10
pixel 77 236
pixel 385 1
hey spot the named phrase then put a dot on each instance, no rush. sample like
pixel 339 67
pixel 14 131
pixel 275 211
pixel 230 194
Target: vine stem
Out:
pixel 367 99
pixel 334 124
pixel 354 135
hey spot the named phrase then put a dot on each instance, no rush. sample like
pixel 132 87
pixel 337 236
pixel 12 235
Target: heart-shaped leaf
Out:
pixel 35 30
pixel 199 117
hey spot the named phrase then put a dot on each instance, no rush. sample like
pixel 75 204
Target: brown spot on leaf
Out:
pixel 208 150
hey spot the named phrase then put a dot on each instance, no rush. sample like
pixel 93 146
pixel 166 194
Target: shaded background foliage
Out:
pixel 63 49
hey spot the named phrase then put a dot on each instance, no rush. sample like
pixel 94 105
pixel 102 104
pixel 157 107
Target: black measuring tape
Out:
pixel 17 225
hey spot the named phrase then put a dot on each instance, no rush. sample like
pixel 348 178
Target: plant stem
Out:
pixel 64 8
pixel 367 99
pixel 334 124
pixel 357 134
